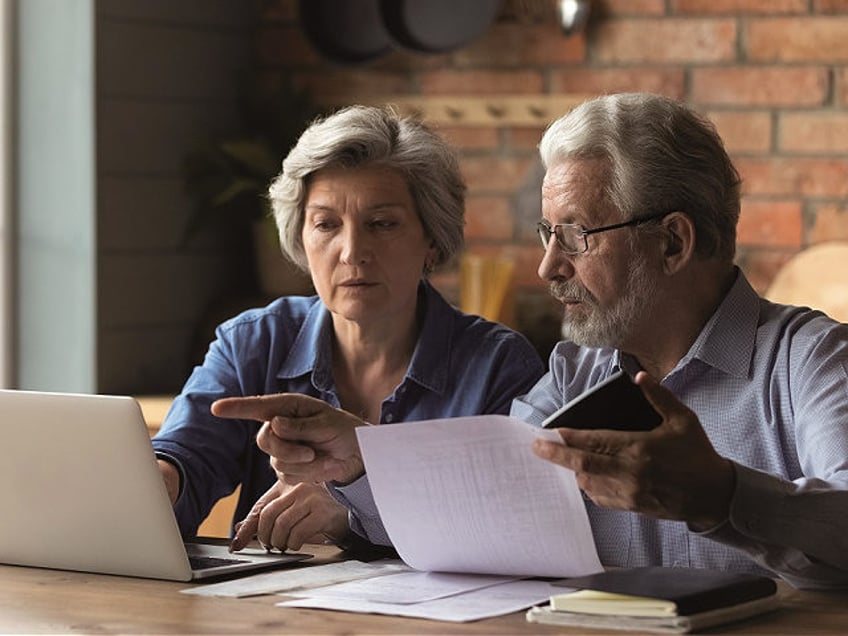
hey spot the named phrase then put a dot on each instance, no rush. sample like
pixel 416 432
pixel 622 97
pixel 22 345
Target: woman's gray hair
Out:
pixel 379 136
pixel 662 156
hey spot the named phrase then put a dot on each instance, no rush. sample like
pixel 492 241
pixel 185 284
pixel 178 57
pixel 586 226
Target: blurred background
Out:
pixel 138 136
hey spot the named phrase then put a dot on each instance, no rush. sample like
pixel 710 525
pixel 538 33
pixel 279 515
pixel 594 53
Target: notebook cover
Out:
pixel 692 590
pixel 660 625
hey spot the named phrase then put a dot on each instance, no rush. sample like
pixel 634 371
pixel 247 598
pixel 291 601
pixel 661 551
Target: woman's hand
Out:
pixel 286 517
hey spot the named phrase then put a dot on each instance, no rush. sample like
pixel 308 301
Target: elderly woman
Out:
pixel 368 203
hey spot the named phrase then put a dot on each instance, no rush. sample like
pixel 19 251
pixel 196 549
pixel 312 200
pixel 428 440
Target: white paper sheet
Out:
pixel 497 600
pixel 467 494
pixel 297 578
pixel 405 587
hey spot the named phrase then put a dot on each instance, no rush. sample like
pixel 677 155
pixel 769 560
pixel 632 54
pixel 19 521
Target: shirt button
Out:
pixel 389 418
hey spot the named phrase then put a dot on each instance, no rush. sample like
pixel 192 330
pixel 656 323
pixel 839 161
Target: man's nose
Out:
pixel 555 263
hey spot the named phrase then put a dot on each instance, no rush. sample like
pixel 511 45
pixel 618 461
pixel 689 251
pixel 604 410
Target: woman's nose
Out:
pixel 355 247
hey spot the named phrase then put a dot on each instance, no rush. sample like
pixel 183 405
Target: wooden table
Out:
pixel 49 601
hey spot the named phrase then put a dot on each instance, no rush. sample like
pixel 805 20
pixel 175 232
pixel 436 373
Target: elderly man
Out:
pixel 748 470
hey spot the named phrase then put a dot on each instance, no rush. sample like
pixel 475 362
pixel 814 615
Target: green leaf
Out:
pixel 255 157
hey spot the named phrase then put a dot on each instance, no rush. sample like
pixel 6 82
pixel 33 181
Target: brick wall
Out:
pixel 772 74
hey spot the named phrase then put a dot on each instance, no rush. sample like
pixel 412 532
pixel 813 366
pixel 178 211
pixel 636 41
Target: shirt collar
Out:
pixel 728 338
pixel 312 349
pixel 431 358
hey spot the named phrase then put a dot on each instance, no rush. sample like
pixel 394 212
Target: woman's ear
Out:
pixel 678 241
pixel 431 259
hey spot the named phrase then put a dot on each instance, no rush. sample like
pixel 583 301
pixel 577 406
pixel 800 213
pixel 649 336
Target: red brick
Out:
pixel 770 223
pixel 512 45
pixel 488 219
pixel 450 82
pixel 737 7
pixel 761 265
pixel 814 132
pixel 830 6
pixel 830 223
pixel 526 139
pixel 494 175
pixel 744 132
pixel 471 138
pixel 794 176
pixel 350 86
pixel 811 39
pixel 617 8
pixel 527 260
pixel 665 41
pixel 766 86
pixel 842 87
pixel 592 81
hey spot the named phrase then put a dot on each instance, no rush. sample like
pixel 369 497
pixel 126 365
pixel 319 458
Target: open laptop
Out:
pixel 80 489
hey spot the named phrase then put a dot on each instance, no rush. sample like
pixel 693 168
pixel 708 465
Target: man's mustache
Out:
pixel 569 290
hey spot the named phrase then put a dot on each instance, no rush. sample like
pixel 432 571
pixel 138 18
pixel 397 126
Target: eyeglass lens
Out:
pixel 571 242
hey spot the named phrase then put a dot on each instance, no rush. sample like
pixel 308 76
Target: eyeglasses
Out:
pixel 571 237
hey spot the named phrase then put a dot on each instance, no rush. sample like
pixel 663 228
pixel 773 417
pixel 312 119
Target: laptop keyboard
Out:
pixel 205 562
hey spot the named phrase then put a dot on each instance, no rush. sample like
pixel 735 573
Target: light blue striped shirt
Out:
pixel 769 384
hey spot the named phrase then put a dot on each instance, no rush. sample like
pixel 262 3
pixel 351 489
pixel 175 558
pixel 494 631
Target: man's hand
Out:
pixel 671 472
pixel 308 440
pixel 286 517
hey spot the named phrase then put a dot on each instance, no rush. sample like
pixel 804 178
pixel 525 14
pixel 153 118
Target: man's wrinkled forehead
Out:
pixel 572 186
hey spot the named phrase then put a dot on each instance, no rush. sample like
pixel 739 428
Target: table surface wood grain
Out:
pixel 34 600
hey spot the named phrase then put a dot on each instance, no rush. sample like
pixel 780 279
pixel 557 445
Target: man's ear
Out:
pixel 678 241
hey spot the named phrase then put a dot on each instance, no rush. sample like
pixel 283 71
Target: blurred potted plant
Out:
pixel 228 179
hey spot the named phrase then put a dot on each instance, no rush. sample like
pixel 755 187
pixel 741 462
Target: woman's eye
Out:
pixel 382 224
pixel 324 225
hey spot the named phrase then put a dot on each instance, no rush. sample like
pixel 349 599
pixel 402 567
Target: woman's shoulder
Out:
pixel 476 336
pixel 286 312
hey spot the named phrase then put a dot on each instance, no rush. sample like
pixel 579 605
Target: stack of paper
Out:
pixel 435 596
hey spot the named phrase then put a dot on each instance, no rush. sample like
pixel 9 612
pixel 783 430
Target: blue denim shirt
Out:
pixel 769 384
pixel 462 365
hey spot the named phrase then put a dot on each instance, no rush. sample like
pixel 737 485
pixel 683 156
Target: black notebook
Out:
pixel 656 599
pixel 658 591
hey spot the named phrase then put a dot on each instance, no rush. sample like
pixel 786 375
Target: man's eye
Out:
pixel 382 224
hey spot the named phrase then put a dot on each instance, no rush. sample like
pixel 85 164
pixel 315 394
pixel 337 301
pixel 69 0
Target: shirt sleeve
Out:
pixel 208 452
pixel 797 526
pixel 796 529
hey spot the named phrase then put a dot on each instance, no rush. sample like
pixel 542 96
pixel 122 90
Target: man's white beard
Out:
pixel 608 327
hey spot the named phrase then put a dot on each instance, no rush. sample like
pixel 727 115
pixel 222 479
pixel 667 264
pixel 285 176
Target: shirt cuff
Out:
pixel 176 464
pixel 364 518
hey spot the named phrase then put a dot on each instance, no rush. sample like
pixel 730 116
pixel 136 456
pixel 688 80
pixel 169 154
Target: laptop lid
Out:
pixel 80 489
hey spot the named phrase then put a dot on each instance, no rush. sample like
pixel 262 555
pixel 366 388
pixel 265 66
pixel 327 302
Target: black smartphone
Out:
pixel 615 404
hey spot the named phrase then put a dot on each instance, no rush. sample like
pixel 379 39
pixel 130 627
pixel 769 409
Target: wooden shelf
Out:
pixel 482 110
